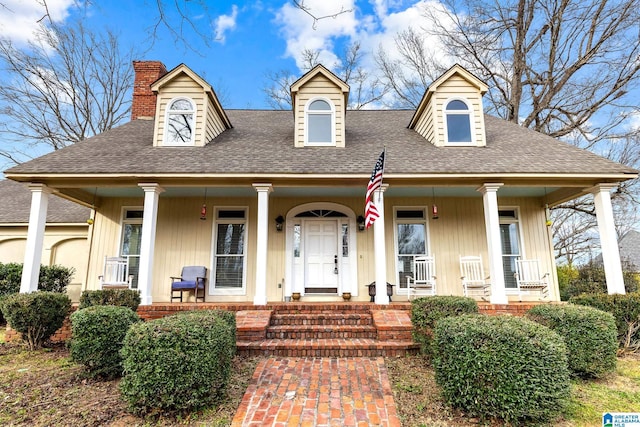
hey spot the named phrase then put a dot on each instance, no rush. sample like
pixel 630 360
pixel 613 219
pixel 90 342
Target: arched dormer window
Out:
pixel 320 122
pixel 458 121
pixel 181 119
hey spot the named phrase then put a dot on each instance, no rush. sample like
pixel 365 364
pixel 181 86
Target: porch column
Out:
pixel 608 238
pixel 35 237
pixel 260 297
pixel 492 226
pixel 379 247
pixel 148 240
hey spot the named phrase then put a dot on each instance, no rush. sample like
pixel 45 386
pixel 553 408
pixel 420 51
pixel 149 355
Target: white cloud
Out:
pixel 225 23
pixel 19 18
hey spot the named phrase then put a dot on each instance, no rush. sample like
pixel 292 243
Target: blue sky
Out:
pixel 247 39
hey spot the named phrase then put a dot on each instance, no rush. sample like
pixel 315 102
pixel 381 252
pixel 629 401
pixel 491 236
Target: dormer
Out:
pixel 319 109
pixel 188 112
pixel 450 113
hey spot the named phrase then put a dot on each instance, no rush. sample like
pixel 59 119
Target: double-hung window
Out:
pixel 320 123
pixel 180 122
pixel 510 242
pixel 230 251
pixel 411 241
pixel 458 122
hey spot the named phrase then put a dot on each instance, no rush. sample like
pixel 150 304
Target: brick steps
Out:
pixel 305 332
pixel 364 347
pixel 325 331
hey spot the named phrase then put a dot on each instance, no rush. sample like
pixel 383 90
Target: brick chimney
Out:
pixel 143 105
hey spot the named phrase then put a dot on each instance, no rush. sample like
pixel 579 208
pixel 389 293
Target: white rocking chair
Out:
pixel 474 282
pixel 528 278
pixel 115 274
pixel 423 281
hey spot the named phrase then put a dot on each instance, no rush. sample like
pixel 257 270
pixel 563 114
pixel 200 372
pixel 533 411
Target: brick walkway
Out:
pixel 318 392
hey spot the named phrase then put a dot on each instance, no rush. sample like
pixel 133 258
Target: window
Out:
pixel 411 240
pixel 229 252
pixel 510 241
pixel 130 241
pixel 320 127
pixel 458 122
pixel 180 122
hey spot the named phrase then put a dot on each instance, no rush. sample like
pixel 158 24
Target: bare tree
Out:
pixel 71 84
pixel 365 88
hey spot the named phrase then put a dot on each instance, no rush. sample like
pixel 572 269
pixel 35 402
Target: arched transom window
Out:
pixel 180 122
pixel 320 129
pixel 458 119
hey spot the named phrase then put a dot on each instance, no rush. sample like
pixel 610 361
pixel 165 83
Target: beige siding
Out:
pixel 62 245
pixel 425 125
pixel 214 125
pixel 319 86
pixel 181 86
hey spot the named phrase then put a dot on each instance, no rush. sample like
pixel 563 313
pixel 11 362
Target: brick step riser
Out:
pixel 313 335
pixel 328 352
pixel 321 322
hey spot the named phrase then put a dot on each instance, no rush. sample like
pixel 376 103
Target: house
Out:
pixel 272 202
pixel 65 235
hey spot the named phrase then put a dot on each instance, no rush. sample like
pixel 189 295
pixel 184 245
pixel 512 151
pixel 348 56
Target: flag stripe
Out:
pixel 371 211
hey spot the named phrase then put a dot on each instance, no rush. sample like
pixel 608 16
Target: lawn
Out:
pixel 44 388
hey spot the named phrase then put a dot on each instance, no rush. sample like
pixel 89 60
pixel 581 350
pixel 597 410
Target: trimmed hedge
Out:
pixel 37 316
pixel 501 366
pixel 625 309
pixel 177 363
pixel 426 311
pixel 97 336
pixel 589 333
pixel 119 297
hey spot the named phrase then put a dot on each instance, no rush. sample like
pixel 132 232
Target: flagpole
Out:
pixel 384 156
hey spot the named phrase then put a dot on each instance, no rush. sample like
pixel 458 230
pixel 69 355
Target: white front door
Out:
pixel 321 253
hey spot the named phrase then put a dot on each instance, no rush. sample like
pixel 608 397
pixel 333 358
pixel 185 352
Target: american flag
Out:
pixel 370 210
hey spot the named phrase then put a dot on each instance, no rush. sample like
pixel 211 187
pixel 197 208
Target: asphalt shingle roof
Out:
pixel 16 199
pixel 261 142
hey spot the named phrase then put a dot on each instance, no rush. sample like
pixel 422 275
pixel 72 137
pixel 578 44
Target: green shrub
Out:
pixel 37 316
pixel 97 336
pixel 590 279
pixel 589 333
pixel 177 363
pixel 426 311
pixel 10 277
pixel 120 297
pixel 55 278
pixel 501 366
pixel 625 309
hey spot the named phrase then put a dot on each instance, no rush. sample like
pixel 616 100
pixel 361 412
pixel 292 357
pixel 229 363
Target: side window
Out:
pixel 180 122
pixel 511 247
pixel 229 251
pixel 130 241
pixel 458 122
pixel 411 240
pixel 320 123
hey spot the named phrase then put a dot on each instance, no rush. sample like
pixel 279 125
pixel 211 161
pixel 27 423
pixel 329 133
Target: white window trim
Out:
pixel 193 111
pixel 518 221
pixel 332 143
pixel 469 111
pixel 396 220
pixel 212 279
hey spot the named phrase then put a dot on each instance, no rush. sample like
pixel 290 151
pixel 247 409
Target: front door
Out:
pixel 321 256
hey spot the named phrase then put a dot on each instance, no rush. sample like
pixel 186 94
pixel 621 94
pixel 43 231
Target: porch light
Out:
pixel 360 221
pixel 434 212
pixel 279 223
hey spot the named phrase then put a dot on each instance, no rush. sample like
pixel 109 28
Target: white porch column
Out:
pixel 260 297
pixel 608 238
pixel 148 240
pixel 379 246
pixel 492 225
pixel 35 237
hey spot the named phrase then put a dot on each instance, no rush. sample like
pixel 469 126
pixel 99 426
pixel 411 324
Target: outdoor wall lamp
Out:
pixel 279 223
pixel 360 221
